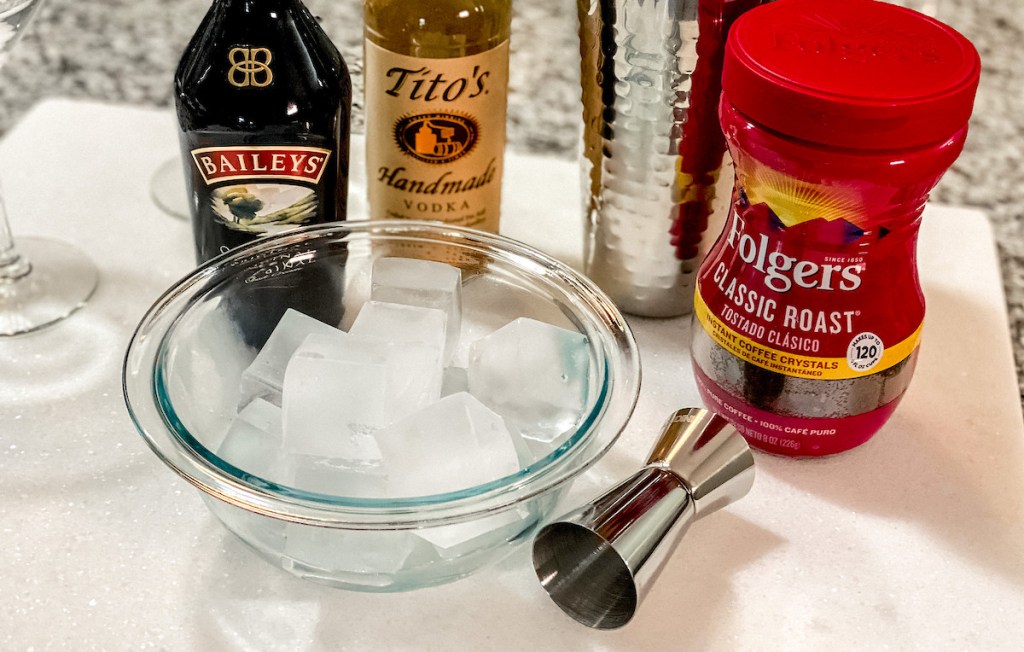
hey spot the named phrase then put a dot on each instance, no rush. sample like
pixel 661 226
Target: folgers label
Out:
pixel 796 286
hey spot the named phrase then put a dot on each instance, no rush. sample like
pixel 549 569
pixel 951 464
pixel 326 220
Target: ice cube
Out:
pixel 489 301
pixel 394 322
pixel 453 444
pixel 357 551
pixel 413 372
pixel 357 289
pixel 205 376
pixel 423 283
pixel 337 477
pixel 253 441
pixel 453 381
pixel 331 407
pixel 533 374
pixel 263 415
pixel 458 539
pixel 264 378
pixel 262 532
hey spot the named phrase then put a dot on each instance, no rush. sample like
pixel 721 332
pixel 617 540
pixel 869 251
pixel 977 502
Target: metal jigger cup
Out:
pixel 597 563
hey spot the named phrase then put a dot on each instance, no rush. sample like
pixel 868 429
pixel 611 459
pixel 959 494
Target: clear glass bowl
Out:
pixel 182 370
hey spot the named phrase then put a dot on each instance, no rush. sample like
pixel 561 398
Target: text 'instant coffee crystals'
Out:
pixel 841 116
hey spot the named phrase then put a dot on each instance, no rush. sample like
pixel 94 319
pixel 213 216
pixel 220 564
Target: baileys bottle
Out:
pixel 263 100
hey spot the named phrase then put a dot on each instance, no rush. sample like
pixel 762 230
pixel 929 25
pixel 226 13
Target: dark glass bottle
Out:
pixel 263 101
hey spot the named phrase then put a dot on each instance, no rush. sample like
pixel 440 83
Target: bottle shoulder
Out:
pixel 438 29
pixel 245 71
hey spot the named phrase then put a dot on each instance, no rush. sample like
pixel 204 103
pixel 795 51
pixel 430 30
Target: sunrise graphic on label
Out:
pixel 796 201
pixel 220 164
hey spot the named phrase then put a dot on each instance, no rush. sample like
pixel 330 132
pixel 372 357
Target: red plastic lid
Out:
pixel 850 73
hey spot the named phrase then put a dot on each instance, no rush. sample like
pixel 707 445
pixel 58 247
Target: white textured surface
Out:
pixel 913 541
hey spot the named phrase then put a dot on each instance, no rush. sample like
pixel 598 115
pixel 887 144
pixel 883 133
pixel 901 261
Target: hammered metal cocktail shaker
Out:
pixel 653 149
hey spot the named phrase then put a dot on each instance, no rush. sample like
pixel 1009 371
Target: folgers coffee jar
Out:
pixel 841 116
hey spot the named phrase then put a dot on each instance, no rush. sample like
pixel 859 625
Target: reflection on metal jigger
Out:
pixel 598 562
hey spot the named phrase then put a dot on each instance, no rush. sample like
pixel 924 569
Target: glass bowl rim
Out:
pixel 615 344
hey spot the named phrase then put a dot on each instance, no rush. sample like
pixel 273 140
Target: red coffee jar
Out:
pixel 841 116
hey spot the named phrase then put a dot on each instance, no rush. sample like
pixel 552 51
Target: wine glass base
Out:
pixel 167 188
pixel 60 282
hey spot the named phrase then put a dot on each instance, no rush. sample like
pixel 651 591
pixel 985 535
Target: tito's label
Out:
pixel 435 136
pixel 800 288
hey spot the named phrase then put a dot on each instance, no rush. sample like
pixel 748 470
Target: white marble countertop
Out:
pixel 912 541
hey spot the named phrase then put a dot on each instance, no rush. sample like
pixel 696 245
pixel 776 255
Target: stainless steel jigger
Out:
pixel 598 562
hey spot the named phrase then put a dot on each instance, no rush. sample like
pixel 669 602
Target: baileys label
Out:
pixel 262 189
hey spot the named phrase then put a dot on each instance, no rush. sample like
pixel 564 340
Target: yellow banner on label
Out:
pixel 866 356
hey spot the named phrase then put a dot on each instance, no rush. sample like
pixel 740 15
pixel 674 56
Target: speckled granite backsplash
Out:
pixel 126 50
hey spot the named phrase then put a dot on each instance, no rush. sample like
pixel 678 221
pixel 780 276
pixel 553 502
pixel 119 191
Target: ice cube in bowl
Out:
pixel 297 513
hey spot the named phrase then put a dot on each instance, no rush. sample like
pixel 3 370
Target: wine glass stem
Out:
pixel 12 265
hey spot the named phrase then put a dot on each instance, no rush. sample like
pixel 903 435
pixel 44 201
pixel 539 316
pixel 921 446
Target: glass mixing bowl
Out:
pixel 183 366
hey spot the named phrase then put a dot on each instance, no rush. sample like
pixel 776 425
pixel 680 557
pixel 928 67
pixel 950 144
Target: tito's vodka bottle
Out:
pixel 436 89
pixel 263 100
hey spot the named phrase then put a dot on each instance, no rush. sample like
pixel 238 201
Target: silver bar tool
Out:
pixel 599 561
